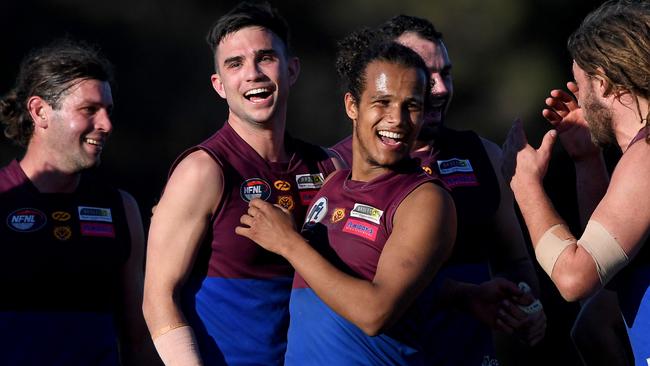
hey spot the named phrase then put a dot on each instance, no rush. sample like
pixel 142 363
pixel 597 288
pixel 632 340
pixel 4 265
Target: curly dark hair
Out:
pixel 49 72
pixel 364 46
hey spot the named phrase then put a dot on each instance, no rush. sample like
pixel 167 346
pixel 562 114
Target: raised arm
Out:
pixel 424 228
pixel 178 225
pixel 592 178
pixel 619 224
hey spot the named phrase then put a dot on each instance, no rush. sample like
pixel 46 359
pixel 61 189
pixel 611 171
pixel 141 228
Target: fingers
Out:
pixel 547 144
pixel 551 116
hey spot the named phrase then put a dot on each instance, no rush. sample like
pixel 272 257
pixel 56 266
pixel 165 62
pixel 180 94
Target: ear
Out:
pixel 600 83
pixel 351 106
pixel 39 110
pixel 293 65
pixel 217 85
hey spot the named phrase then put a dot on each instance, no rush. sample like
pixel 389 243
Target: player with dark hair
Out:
pixel 375 235
pixel 202 280
pixel 72 246
pixel 489 257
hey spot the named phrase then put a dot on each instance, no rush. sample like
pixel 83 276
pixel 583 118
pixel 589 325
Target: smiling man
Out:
pixel 204 282
pixel 71 247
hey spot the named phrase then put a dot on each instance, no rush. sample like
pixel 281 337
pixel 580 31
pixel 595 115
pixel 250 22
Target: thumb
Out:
pixel 547 143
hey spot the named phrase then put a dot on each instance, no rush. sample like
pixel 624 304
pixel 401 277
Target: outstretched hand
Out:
pixel 522 164
pixel 270 226
pixel 566 116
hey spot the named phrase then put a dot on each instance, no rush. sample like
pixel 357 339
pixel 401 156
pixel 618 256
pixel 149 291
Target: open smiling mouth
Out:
pixel 258 94
pixel 391 138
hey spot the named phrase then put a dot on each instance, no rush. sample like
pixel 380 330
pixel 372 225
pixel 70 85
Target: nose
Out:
pixel 252 71
pixel 438 86
pixel 103 122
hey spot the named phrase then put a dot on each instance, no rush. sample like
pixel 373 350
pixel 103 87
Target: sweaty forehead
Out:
pixel 390 78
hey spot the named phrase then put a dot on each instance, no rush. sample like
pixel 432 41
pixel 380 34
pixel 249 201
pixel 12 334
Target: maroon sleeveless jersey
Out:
pixel 237 296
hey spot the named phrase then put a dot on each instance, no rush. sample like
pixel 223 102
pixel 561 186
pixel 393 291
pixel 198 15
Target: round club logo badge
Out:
pixel 26 220
pixel 62 233
pixel 286 202
pixel 337 215
pixel 255 188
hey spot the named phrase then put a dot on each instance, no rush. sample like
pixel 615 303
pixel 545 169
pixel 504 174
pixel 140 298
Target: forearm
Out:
pixel 357 300
pixel 536 208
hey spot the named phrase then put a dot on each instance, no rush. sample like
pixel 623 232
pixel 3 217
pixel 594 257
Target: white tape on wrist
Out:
pixel 178 346
pixel 533 307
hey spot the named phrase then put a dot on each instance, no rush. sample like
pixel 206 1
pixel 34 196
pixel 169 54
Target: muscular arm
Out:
pixel 424 228
pixel 621 212
pixel 177 228
pixel 135 344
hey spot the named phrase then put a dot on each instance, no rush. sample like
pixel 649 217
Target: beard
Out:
pixel 599 118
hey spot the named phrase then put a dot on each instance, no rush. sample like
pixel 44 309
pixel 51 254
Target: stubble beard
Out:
pixel 599 119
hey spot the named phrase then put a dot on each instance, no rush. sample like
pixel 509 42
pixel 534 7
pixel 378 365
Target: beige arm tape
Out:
pixel 604 249
pixel 551 245
pixel 177 346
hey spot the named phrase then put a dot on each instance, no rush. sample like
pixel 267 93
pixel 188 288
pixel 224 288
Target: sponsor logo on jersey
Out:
pixel 60 216
pixel 87 213
pixel 366 212
pixel 307 196
pixel 361 228
pixel 317 211
pixel 454 165
pixel 427 170
pixel 62 233
pixel 282 185
pixel 286 202
pixel 461 180
pixel 309 181
pixel 26 220
pixel 97 229
pixel 337 215
pixel 255 188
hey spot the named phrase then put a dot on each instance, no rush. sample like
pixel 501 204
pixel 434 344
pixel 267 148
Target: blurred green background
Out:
pixel 506 54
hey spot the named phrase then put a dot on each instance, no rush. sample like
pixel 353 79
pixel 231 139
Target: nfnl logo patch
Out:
pixel 26 220
pixel 97 229
pixel 87 213
pixel 255 188
pixel 317 211
pixel 361 228
pixel 309 181
pixel 454 165
pixel 366 212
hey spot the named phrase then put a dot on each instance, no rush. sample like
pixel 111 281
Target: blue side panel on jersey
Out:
pixel 240 321
pixel 58 339
pixel 319 336
pixel 634 298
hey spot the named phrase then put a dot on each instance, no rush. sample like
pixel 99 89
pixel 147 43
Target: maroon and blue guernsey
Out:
pixel 61 260
pixel 632 285
pixel 459 159
pixel 349 223
pixel 237 296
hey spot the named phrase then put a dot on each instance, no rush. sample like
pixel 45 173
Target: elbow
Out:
pixel 573 287
pixel 375 322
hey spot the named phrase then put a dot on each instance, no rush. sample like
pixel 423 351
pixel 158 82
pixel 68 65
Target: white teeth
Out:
pixel 93 142
pixel 392 135
pixel 256 91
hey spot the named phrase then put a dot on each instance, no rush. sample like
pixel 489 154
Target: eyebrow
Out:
pixel 259 53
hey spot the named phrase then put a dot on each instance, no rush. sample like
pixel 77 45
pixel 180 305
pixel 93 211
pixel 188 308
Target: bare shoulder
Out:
pixel 196 183
pixel 428 200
